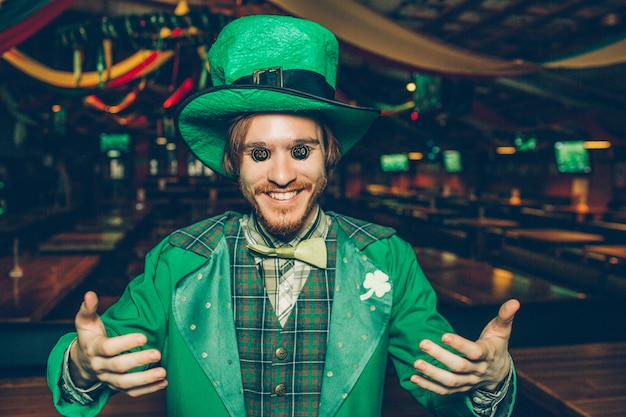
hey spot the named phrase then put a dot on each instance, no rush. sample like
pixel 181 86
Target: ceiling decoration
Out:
pixel 138 65
pixel 551 68
pixel 377 35
pixel 20 20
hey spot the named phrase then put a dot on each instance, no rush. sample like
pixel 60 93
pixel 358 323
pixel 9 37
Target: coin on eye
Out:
pixel 300 152
pixel 260 154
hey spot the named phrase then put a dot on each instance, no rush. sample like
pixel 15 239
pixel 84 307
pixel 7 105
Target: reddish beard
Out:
pixel 280 224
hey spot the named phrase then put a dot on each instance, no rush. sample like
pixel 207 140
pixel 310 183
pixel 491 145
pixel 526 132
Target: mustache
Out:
pixel 269 188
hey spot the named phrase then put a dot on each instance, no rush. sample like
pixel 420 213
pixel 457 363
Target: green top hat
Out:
pixel 268 64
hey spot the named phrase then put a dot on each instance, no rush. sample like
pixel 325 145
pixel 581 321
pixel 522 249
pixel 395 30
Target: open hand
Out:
pixel 481 364
pixel 96 357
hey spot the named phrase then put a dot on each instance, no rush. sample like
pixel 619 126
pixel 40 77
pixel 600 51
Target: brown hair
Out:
pixel 239 127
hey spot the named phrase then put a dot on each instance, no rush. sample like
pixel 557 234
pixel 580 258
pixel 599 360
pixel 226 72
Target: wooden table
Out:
pixel 46 280
pixel 465 282
pixel 17 222
pixel 574 381
pixel 612 253
pixel 582 212
pixel 485 222
pixel 83 242
pixel 431 213
pixel 123 223
pixel 555 238
pixel 479 226
pixel 28 397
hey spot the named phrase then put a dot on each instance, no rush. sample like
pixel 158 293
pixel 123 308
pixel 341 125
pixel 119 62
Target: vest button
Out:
pixel 281 353
pixel 280 390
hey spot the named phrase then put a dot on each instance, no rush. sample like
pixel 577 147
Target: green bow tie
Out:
pixel 311 251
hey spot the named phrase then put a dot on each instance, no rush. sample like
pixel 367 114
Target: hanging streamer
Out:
pixel 107 47
pixel 78 66
pixel 178 94
pixel 137 65
pixel 96 103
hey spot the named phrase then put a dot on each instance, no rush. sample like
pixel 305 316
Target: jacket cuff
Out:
pixel 69 391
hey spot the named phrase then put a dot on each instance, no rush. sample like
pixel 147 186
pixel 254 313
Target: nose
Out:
pixel 282 171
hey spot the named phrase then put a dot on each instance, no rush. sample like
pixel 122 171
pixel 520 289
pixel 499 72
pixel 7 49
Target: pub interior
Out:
pixel 500 156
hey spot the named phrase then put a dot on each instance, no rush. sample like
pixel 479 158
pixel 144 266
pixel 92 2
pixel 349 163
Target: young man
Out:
pixel 288 310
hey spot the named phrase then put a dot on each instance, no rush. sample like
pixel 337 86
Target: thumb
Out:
pixel 502 324
pixel 506 314
pixel 87 315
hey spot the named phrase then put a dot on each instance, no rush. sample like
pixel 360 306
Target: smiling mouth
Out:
pixel 282 196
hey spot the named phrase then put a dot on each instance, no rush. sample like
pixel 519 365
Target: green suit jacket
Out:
pixel 182 304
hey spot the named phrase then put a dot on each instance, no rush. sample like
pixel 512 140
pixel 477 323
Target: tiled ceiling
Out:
pixel 532 30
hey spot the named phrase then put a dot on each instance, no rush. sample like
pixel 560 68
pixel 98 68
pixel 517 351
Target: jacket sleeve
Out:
pixel 143 307
pixel 414 318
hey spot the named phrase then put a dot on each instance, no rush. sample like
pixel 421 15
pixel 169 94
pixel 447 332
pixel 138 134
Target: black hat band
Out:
pixel 306 81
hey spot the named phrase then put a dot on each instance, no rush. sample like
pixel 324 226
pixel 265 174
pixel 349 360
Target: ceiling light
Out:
pixel 611 19
pixel 506 150
pixel 597 144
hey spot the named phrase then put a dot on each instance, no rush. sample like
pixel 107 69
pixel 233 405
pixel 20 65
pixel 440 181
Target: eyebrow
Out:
pixel 301 141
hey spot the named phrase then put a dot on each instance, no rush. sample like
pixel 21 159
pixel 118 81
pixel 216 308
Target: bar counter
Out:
pixel 587 380
pixel 46 280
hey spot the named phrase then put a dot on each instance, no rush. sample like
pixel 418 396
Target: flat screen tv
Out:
pixel 572 157
pixel 114 142
pixel 427 95
pixel 396 162
pixel 452 161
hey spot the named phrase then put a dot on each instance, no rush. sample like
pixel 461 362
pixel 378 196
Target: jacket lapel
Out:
pixel 202 309
pixel 360 316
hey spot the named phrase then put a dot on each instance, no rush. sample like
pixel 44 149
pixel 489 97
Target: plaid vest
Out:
pixel 282 367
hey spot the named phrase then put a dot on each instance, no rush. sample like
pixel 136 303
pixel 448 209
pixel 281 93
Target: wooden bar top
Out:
pixel 83 242
pixel 46 280
pixel 556 236
pixel 484 222
pixel 465 282
pixel 586 380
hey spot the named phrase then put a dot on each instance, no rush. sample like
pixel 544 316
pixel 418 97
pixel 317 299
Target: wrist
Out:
pixel 497 386
pixel 80 377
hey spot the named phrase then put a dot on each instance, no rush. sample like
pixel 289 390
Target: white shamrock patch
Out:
pixel 376 282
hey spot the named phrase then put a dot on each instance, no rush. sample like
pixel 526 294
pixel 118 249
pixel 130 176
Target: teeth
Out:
pixel 283 196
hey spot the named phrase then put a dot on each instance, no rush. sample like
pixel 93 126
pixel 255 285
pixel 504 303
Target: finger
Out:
pixel 126 362
pixel 469 349
pixel 147 389
pixel 440 380
pixel 136 383
pixel 114 346
pixel 451 360
pixel 428 385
